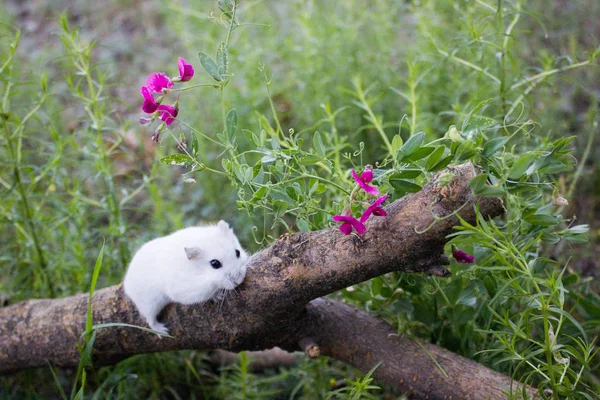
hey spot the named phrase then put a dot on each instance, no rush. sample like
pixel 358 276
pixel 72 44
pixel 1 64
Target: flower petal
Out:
pixel 366 176
pixel 463 258
pixel 367 188
pixel 146 93
pixel 149 105
pixel 186 71
pixel 349 222
pixel 168 113
pixel 340 218
pixel 346 228
pixel 379 212
pixel 158 81
pixel 374 209
pixel 360 228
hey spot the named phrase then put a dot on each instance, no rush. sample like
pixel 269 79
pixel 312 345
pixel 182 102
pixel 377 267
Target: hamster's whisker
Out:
pixel 223 296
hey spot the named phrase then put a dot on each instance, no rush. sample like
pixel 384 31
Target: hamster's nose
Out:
pixel 240 277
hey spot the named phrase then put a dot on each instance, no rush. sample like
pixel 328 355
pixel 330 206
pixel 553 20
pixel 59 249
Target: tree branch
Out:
pixel 420 370
pixel 270 306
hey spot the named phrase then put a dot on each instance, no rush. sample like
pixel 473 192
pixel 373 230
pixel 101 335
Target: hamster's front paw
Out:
pixel 159 327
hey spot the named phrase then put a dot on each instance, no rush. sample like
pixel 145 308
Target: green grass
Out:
pixel 76 167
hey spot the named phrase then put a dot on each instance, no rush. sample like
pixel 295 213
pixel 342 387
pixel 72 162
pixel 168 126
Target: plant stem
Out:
pixel 413 100
pixel 303 175
pixel 194 86
pixel 25 202
pixel 231 23
pixel 584 157
pixel 374 120
pixel 267 84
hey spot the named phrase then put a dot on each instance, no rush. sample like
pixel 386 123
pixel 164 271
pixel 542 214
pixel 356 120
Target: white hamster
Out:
pixel 189 266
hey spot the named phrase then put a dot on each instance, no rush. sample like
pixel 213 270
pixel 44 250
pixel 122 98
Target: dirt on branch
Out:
pixel 270 308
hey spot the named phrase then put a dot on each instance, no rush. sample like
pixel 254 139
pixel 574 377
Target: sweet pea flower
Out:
pixel 168 113
pixel 374 209
pixel 186 71
pixel 364 179
pixel 462 258
pixel 349 222
pixel 149 105
pixel 158 81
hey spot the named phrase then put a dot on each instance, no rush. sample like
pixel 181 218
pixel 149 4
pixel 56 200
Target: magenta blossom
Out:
pixel 462 258
pixel 168 113
pixel 349 222
pixel 158 81
pixel 149 105
pixel 374 209
pixel 186 71
pixel 364 179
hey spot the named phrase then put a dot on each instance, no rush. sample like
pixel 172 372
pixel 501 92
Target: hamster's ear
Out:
pixel 192 253
pixel 224 226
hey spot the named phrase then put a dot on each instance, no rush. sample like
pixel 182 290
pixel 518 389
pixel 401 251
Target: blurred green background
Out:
pixel 83 188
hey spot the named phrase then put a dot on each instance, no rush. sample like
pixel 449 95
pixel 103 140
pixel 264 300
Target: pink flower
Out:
pixel 349 222
pixel 168 113
pixel 149 105
pixel 462 258
pixel 364 179
pixel 374 209
pixel 158 81
pixel 186 71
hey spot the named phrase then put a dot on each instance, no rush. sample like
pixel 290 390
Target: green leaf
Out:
pixel 411 145
pixel 421 153
pixel 275 143
pixel 259 194
pixel 403 186
pixel 464 151
pixel 433 159
pixel 209 66
pixel 302 225
pixel 577 238
pixel 194 145
pixel 490 285
pixel 583 228
pixel 376 285
pixel 231 123
pixel 520 166
pixel 570 318
pixel 396 144
pixel 223 61
pixel 226 7
pixel 318 144
pixel 407 174
pixel 478 183
pixel 256 169
pixel 310 159
pixel 541 219
pixel 95 274
pixel 182 160
pixel 493 146
pixel 491 191
pixel 443 163
pixel 473 111
pixel 268 158
pixel 550 237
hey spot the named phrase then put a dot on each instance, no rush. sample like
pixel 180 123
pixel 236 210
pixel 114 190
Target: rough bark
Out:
pixel 259 360
pixel 270 306
pixel 356 338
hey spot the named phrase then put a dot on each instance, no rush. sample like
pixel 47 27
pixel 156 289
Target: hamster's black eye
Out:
pixel 216 264
pixel 237 253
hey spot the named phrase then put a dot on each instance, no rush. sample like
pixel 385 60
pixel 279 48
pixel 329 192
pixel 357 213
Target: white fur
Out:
pixel 176 268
